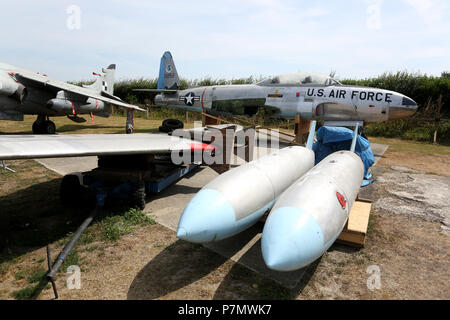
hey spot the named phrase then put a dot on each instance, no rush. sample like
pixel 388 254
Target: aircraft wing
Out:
pixel 78 145
pixel 47 84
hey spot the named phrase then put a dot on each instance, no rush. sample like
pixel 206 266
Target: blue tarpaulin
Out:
pixel 332 139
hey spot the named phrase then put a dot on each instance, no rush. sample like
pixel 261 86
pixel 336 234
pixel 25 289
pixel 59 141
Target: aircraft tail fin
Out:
pixel 104 82
pixel 168 76
pixel 312 131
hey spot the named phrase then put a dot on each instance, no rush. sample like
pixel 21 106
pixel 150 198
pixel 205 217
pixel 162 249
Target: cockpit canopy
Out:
pixel 299 78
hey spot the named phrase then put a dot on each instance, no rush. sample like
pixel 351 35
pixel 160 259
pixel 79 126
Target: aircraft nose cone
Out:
pixel 291 239
pixel 207 216
pixel 407 109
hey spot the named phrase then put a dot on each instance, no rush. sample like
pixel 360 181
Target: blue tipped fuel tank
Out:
pixel 237 199
pixel 309 216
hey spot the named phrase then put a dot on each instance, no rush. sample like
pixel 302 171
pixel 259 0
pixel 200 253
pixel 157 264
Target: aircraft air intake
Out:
pixel 7 85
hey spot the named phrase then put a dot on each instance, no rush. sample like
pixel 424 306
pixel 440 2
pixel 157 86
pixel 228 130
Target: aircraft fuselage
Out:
pixel 313 102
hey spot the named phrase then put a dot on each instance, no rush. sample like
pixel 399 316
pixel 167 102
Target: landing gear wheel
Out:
pixel 169 125
pixel 70 190
pixel 139 195
pixel 44 127
pixel 49 127
pixel 37 127
pixel 163 129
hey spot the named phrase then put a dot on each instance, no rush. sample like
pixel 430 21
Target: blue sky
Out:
pixel 227 38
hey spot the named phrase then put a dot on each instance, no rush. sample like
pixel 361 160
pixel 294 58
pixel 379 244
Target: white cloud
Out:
pixel 430 11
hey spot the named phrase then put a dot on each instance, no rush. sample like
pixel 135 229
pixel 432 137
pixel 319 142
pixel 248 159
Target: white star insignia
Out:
pixel 189 99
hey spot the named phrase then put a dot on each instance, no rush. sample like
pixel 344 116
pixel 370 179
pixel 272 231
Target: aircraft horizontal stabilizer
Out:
pixel 169 91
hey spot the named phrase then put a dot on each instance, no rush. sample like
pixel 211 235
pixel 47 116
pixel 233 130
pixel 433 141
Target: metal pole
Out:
pixel 3 165
pixel 55 292
pixel 65 252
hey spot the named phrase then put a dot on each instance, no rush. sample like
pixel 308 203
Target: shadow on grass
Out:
pixel 77 127
pixel 183 263
pixel 34 216
pixel 243 283
pixel 177 266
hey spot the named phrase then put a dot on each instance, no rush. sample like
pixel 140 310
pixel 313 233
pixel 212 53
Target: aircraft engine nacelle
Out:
pixel 70 107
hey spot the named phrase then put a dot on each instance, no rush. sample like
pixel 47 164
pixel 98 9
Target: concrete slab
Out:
pixel 65 166
pixel 378 151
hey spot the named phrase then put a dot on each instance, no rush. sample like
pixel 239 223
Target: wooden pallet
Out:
pixel 354 233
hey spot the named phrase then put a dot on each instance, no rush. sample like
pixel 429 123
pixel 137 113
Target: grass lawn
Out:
pixel 113 124
pixel 412 147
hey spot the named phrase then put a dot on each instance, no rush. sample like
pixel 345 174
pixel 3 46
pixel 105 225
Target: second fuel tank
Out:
pixel 310 214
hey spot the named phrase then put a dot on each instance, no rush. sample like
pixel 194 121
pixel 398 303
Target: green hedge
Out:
pixel 410 129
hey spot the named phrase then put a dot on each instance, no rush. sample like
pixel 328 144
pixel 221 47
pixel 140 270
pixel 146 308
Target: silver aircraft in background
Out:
pixel 312 96
pixel 25 92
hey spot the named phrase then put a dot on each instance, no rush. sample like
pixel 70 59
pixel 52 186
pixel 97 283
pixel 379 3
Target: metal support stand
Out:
pixel 3 166
pixel 130 122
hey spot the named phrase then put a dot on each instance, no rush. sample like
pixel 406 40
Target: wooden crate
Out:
pixel 355 230
pixel 301 129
